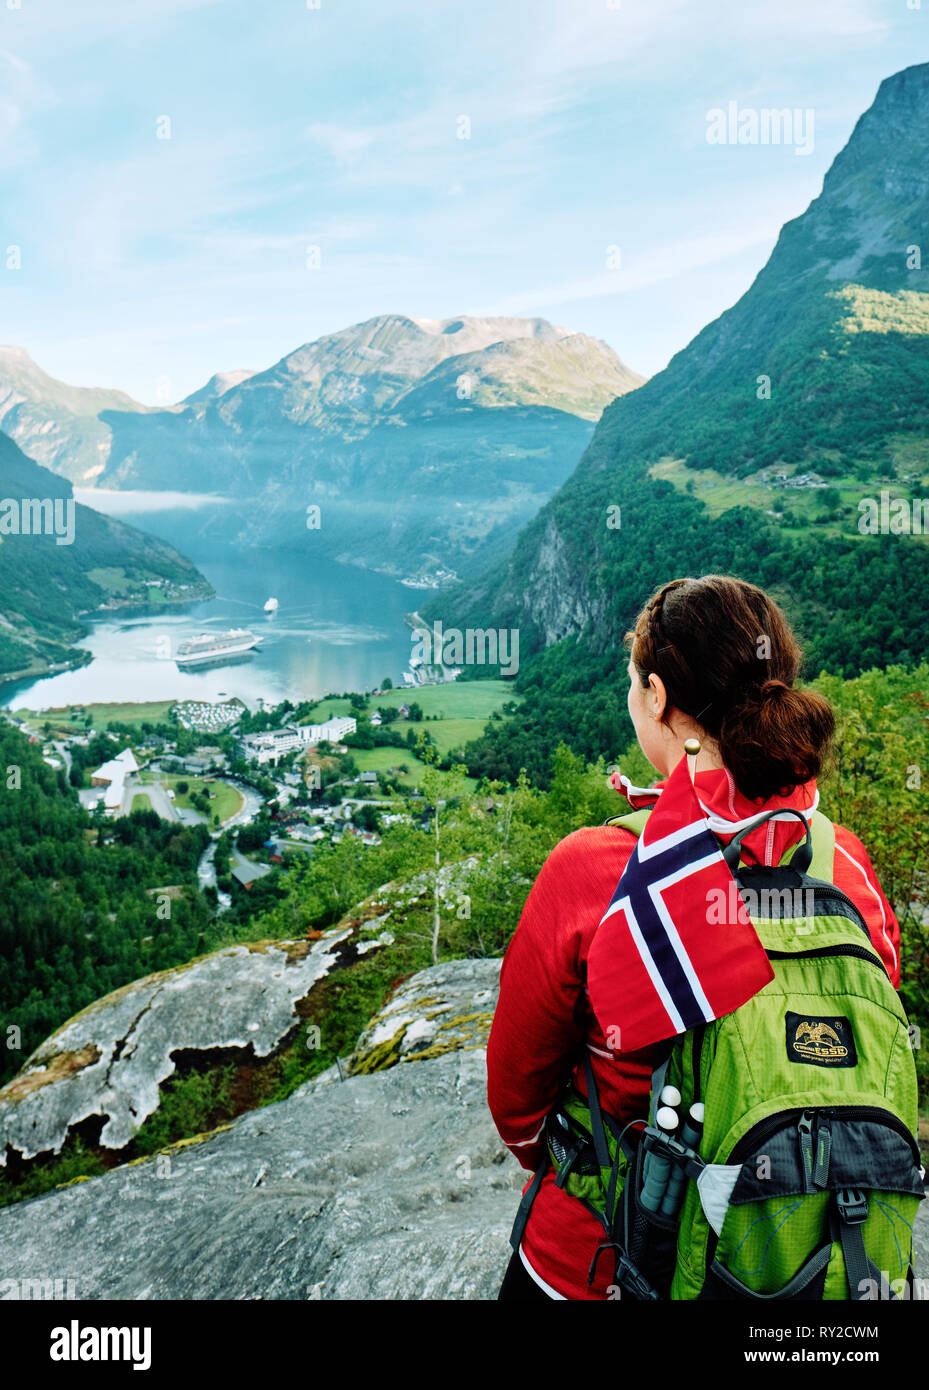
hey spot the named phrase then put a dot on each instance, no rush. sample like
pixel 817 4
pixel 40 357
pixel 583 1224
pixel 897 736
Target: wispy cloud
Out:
pixel 652 267
pixel 440 156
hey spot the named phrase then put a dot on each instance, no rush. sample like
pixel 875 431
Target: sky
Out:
pixel 192 186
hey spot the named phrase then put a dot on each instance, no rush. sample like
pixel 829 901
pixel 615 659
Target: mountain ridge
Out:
pixel 46 416
pixel 48 588
pixel 426 443
pixel 810 375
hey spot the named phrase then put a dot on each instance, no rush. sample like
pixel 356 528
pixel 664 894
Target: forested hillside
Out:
pixel 45 586
pixel 78 919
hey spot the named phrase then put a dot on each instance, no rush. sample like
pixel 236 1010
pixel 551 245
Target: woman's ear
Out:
pixel 657 696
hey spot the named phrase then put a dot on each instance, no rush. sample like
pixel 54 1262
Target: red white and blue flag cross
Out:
pixel 661 961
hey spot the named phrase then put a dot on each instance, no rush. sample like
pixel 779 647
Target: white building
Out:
pixel 332 731
pixel 274 743
pixel 112 777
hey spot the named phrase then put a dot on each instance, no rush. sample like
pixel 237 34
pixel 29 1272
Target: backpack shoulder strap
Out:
pixel 634 820
pixel 822 832
pixel 822 839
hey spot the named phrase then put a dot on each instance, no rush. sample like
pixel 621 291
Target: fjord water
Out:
pixel 337 627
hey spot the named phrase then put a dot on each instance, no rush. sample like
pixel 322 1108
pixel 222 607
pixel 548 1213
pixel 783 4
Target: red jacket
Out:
pixel 543 1013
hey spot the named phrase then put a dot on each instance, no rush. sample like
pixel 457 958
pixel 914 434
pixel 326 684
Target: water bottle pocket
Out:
pixel 651 1236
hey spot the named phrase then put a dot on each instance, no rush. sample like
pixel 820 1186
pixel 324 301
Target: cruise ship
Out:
pixel 209 646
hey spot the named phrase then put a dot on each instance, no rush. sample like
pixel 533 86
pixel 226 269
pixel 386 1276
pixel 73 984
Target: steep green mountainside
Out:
pixel 45 588
pixel 425 443
pixel 754 452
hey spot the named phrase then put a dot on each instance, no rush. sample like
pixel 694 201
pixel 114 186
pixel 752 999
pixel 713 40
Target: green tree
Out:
pixel 878 787
pixel 439 788
pixel 366 818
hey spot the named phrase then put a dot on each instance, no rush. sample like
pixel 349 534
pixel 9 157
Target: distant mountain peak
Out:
pixel 218 384
pixel 505 326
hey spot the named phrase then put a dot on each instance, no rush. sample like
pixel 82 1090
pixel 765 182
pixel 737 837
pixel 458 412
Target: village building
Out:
pixel 111 776
pixel 248 873
pixel 276 743
pixel 196 766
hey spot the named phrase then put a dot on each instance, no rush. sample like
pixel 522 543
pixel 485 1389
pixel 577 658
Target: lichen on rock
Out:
pixel 393 1185
pixel 431 1014
pixel 110 1059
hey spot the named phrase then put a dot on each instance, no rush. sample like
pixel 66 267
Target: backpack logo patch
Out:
pixel 821 1042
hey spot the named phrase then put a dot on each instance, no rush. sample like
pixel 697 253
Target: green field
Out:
pixel 455 713
pixel 452 734
pixel 454 700
pixel 72 718
pixel 326 709
pixel 380 759
pixel 112 580
pixel 140 802
pixel 719 492
pixel 228 799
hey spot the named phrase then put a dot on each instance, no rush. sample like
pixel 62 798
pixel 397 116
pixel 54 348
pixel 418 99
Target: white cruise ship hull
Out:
pixel 209 656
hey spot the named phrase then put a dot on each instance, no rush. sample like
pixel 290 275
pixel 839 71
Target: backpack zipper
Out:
pixel 843 949
pixel 765 1128
pixel 836 898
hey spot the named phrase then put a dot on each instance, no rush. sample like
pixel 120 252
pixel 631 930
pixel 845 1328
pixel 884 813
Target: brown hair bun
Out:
pixel 728 658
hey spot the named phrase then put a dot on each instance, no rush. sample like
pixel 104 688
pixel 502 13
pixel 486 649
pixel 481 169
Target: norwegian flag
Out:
pixel 661 960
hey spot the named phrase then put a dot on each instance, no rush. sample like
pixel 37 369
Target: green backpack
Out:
pixel 805 1180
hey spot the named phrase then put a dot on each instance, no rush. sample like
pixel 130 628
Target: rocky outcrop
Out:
pixel 111 1059
pixel 387 1185
pixel 389 1182
pixel 443 1009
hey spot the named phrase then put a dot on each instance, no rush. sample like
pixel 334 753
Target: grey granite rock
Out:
pixel 442 1008
pixel 387 1185
pixel 392 1186
pixel 110 1059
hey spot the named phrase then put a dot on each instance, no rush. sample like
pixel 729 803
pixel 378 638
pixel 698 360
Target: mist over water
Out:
pixel 337 627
